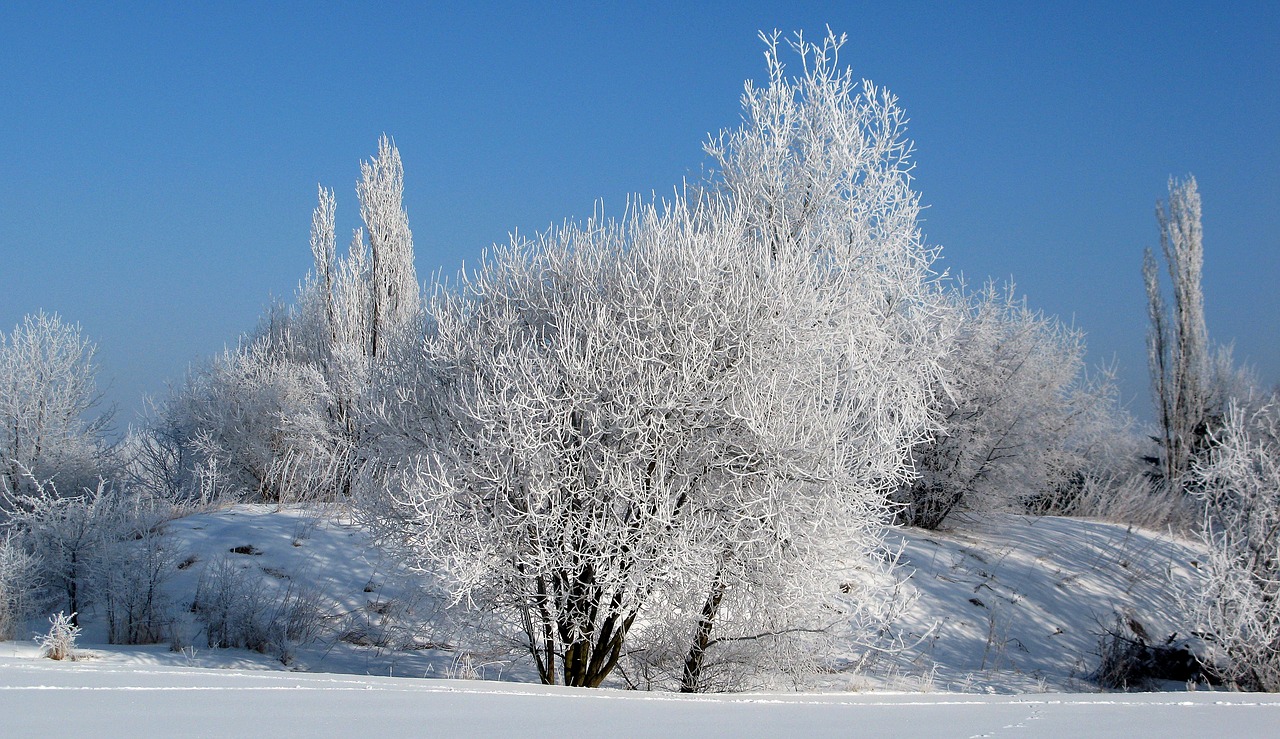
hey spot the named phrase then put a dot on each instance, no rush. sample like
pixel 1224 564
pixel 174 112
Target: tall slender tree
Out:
pixel 1177 341
pixel 283 413
pixel 393 281
pixel 369 297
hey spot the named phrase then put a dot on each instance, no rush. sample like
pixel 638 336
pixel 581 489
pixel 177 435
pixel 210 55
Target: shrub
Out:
pixel 1128 662
pixel 1016 407
pixel 68 537
pixel 131 580
pixel 241 612
pixel 1238 598
pixel 60 642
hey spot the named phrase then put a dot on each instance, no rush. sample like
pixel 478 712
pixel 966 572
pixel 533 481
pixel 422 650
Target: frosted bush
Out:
pixel 239 611
pixel 1238 599
pixel 60 642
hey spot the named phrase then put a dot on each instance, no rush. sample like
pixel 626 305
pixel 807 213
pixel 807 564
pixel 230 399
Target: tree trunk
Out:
pixel 691 682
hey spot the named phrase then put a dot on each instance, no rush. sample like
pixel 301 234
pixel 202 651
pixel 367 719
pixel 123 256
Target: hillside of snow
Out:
pixel 1010 607
pixel 1020 604
pixel 1007 604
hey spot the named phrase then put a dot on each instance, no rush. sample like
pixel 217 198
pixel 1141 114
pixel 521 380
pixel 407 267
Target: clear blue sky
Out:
pixel 160 161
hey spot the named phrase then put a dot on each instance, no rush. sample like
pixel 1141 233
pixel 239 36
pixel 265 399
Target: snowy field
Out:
pixel 1001 641
pixel 43 698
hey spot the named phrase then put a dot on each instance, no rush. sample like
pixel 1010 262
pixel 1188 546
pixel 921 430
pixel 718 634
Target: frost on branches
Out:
pixel 1238 600
pixel 47 388
pixel 1177 340
pixel 1020 418
pixel 670 438
pixel 281 416
pixel 257 417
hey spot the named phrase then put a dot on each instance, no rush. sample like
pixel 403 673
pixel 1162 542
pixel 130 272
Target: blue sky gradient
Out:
pixel 161 160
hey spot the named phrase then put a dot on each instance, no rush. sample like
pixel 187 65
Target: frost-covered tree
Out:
pixel 1014 403
pixel 674 423
pixel 259 418
pixel 19 582
pixel 354 310
pixel 1238 599
pixel 393 306
pixel 67 535
pixel 364 301
pixel 47 390
pixel 1177 341
pixel 281 416
pixel 819 174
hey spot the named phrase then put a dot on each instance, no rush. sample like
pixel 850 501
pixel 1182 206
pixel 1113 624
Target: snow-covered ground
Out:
pixel 1020 604
pixel 1001 640
pixel 43 698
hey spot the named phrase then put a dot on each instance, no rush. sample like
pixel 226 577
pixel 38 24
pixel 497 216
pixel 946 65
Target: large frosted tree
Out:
pixel 676 422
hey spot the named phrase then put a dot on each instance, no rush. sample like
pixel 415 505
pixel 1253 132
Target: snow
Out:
pixel 1009 610
pixel 1019 604
pixel 44 698
pixel 372 611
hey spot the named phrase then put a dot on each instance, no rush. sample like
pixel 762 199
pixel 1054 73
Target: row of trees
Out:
pixel 281 417
pixel 273 419
pixel 666 446
pixel 644 442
